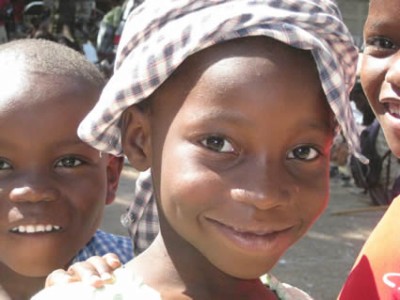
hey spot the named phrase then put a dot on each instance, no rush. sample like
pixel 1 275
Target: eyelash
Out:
pixel 296 153
pixel 380 44
pixel 60 162
pixel 310 149
pixel 217 142
pixel 4 165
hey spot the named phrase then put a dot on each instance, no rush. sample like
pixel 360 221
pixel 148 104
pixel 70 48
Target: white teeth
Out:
pixel 30 229
pixel 255 232
pixel 35 228
pixel 393 108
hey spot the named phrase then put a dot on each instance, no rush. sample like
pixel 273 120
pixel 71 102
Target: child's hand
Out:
pixel 95 271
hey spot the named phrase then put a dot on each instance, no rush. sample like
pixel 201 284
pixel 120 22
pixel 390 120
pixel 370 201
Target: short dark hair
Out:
pixel 50 58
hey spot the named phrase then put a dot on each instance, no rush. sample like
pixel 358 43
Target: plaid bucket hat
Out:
pixel 160 35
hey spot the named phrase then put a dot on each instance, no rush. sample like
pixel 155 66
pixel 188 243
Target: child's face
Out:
pixel 380 71
pixel 53 187
pixel 240 144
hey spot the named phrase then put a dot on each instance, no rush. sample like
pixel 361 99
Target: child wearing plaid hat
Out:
pixel 53 186
pixel 233 105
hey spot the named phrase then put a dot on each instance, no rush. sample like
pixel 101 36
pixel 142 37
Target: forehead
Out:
pixel 19 86
pixel 252 55
pixel 244 79
pixel 381 10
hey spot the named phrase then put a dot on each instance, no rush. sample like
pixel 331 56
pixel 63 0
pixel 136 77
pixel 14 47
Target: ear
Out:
pixel 114 168
pixel 135 137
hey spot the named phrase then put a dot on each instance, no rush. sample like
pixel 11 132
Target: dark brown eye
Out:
pixel 69 162
pixel 4 165
pixel 380 42
pixel 304 153
pixel 218 144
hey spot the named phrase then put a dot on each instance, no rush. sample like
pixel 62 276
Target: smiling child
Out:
pixel 233 105
pixel 53 186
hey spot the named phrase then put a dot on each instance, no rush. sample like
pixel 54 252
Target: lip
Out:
pixel 391 107
pixel 35 228
pixel 253 239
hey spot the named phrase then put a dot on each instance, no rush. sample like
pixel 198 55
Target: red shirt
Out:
pixel 376 273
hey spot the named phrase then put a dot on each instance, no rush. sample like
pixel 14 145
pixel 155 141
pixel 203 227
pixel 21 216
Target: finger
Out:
pixel 105 266
pixel 59 276
pixel 112 260
pixel 88 272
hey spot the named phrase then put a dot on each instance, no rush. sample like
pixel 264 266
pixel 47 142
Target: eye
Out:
pixel 69 162
pixel 305 153
pixel 380 43
pixel 4 165
pixel 217 144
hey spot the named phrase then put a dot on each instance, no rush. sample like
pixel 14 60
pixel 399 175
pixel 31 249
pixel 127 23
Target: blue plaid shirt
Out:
pixel 103 243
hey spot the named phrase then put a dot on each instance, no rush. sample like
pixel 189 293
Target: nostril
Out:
pixel 262 199
pixel 31 194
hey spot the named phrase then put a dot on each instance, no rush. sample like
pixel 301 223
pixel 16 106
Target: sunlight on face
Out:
pixel 240 144
pixel 380 69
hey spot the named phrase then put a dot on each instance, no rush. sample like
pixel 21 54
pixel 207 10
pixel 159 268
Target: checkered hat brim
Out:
pixel 160 35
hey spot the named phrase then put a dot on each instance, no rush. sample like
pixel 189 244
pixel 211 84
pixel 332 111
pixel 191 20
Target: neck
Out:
pixel 16 286
pixel 182 272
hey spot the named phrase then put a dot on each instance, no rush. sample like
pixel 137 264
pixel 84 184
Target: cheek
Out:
pixel 313 195
pixel 88 195
pixel 372 76
pixel 187 188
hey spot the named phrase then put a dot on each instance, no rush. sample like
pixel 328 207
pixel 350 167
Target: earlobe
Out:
pixel 135 136
pixel 114 168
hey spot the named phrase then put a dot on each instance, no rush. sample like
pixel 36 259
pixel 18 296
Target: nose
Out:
pixel 33 190
pixel 31 194
pixel 265 188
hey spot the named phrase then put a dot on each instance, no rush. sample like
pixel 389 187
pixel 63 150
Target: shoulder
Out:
pixel 103 243
pixel 284 291
pixel 126 286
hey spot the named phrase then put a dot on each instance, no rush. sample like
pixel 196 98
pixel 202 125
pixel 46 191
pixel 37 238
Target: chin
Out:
pixel 249 270
pixel 393 139
pixel 395 147
pixel 35 268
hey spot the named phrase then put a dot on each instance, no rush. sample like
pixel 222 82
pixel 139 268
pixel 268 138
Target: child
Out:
pixel 232 104
pixel 53 186
pixel 376 273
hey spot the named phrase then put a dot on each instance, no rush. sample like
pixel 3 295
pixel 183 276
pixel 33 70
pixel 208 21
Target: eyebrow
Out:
pixel 220 114
pixel 377 24
pixel 70 142
pixel 237 118
pixel 59 144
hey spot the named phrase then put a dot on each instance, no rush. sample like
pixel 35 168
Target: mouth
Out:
pixel 252 239
pixel 35 228
pixel 393 109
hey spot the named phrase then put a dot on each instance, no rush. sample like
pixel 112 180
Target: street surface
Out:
pixel 319 263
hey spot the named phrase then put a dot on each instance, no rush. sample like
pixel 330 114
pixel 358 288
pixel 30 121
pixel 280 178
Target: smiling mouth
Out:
pixel 40 228
pixel 252 239
pixel 393 109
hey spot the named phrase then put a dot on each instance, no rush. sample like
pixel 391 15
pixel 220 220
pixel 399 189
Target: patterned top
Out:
pixel 130 286
pixel 141 220
pixel 103 243
pixel 158 38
